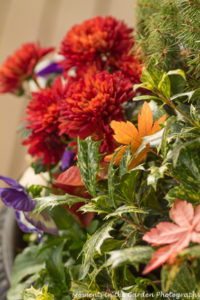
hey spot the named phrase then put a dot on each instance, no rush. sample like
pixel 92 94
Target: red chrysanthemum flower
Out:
pixel 130 67
pixel 90 105
pixel 20 66
pixel 43 121
pixel 101 42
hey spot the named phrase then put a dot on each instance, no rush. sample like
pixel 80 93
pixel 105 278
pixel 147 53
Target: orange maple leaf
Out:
pixel 127 134
pixel 175 236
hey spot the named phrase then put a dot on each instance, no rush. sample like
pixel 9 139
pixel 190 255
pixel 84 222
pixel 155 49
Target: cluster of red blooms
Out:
pixel 90 105
pixel 100 52
pixel 43 121
pixel 20 67
pixel 101 43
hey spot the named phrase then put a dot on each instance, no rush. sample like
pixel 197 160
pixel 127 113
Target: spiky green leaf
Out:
pixel 125 209
pixel 135 255
pixel 39 294
pixel 88 163
pixel 52 201
pixel 155 175
pixel 93 245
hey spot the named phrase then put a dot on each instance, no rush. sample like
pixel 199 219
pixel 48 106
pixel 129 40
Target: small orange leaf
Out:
pixel 145 120
pixel 118 157
pixel 125 132
pixel 138 159
pixel 156 126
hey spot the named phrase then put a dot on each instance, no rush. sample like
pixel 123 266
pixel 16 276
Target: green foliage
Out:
pixel 38 166
pixel 94 244
pixel 135 255
pixel 88 163
pixel 185 167
pixel 52 201
pixel 124 163
pixel 168 33
pixel 156 174
pixel 125 209
pixel 155 80
pixel 178 278
pixel 25 272
pixel 46 264
pixel 128 184
pixel 41 294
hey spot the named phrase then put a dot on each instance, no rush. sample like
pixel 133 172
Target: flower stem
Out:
pixel 36 82
pixel 140 227
pixel 172 105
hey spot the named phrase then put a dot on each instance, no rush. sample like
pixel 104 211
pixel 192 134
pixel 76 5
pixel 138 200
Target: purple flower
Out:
pixel 16 196
pixel 42 222
pixel 23 224
pixel 67 159
pixel 52 68
pixel 38 223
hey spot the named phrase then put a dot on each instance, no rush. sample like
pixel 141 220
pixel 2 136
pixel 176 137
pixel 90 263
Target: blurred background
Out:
pixel 46 21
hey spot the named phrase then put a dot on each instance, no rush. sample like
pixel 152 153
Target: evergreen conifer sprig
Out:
pixel 169 33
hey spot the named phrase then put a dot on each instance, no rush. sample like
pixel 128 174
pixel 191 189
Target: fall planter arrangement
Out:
pixel 113 126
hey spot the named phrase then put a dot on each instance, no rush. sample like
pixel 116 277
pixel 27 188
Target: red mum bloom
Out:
pixel 103 42
pixel 20 66
pixel 130 66
pixel 90 105
pixel 43 121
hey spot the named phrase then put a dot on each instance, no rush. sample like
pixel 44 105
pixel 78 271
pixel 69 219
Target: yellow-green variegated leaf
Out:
pixel 134 255
pixel 93 245
pixel 39 294
pixel 88 163
pixel 125 209
pixel 178 278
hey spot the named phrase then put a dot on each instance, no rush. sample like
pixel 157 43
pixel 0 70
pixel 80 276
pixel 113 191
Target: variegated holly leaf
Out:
pixel 52 201
pixel 88 163
pixel 125 209
pixel 134 255
pixel 155 175
pixel 39 294
pixel 93 245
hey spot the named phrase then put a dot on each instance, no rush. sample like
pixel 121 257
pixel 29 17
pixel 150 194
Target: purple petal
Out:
pixel 23 224
pixel 52 68
pixel 67 159
pixel 43 222
pixel 19 200
pixel 12 182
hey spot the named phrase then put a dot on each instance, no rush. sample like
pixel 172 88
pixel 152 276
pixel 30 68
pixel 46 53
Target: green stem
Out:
pixel 183 114
pixel 140 227
pixel 171 104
